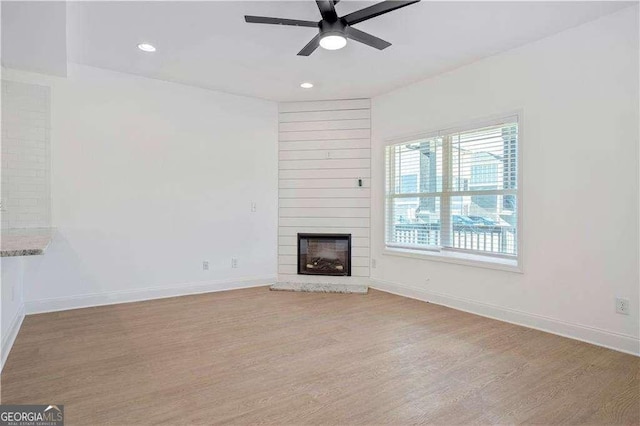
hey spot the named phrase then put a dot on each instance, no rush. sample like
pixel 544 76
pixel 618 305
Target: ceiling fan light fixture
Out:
pixel 333 41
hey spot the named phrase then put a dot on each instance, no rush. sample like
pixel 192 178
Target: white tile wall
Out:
pixel 324 148
pixel 26 154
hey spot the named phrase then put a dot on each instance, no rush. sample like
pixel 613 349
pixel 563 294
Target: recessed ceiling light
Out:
pixel 333 42
pixel 306 85
pixel 146 47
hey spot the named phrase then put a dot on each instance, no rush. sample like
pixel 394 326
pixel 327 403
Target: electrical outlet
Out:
pixel 205 265
pixel 373 263
pixel 234 262
pixel 622 305
pixel 254 207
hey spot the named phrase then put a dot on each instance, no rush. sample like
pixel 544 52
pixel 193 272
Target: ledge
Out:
pixel 467 259
pixel 25 241
pixel 319 287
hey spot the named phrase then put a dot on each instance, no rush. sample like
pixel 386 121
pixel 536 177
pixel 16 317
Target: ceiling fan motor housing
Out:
pixel 337 27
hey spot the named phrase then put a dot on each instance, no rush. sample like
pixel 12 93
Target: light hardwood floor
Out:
pixel 255 356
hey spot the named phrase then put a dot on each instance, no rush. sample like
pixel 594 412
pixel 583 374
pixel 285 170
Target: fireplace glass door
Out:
pixel 324 254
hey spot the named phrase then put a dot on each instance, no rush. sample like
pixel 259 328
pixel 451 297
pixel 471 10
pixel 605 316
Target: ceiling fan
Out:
pixel 333 29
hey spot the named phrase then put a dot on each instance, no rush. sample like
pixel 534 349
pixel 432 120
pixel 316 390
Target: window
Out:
pixel 455 192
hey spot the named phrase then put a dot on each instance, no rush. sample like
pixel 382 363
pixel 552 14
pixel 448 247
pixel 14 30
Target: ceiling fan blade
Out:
pixel 279 21
pixel 327 10
pixel 376 10
pixel 311 46
pixel 367 38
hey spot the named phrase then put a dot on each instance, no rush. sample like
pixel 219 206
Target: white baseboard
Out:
pixel 10 337
pixel 619 342
pixel 137 295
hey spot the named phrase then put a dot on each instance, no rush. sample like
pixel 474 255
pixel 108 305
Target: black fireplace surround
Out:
pixel 324 254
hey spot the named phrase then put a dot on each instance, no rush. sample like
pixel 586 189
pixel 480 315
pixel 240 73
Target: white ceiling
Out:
pixel 34 36
pixel 208 44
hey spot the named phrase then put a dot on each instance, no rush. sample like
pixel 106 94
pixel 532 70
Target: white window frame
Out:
pixel 449 254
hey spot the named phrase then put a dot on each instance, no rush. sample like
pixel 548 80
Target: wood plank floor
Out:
pixel 255 356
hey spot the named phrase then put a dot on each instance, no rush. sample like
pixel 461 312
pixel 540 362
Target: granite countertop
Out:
pixel 25 241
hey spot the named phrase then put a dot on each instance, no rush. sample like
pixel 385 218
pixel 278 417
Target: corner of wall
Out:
pixel 10 337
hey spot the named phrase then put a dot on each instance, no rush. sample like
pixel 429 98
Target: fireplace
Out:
pixel 324 254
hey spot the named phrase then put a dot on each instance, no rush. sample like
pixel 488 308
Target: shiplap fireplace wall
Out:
pixel 324 149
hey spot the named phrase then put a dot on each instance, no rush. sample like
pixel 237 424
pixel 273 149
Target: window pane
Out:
pixel 415 167
pixel 484 159
pixel 510 165
pixel 413 221
pixel 481 223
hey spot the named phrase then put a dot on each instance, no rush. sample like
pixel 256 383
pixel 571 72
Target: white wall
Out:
pixel 12 303
pixel 149 179
pixel 26 155
pixel 579 140
pixel 324 148
pixel 25 189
